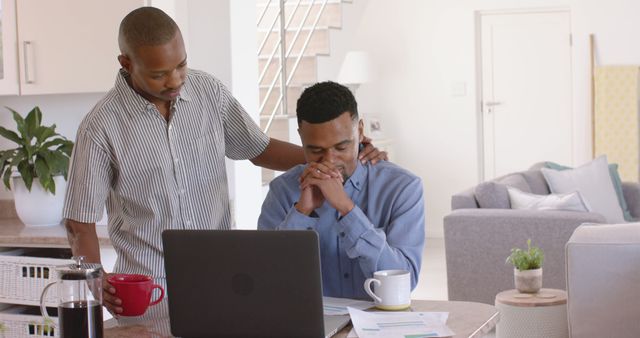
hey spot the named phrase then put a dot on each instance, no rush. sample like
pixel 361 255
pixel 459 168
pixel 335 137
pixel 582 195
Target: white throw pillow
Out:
pixel 593 182
pixel 524 200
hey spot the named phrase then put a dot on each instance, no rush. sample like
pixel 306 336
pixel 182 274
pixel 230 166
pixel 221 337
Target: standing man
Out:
pixel 368 218
pixel 153 150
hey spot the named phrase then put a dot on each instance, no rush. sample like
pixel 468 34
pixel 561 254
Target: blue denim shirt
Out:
pixel 385 229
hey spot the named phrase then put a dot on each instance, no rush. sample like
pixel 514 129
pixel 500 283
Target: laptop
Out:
pixel 246 283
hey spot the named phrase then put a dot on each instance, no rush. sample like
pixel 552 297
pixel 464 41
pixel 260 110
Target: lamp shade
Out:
pixel 356 68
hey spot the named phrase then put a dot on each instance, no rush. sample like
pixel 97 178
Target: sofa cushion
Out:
pixel 537 183
pixel 615 179
pixel 493 194
pixel 539 165
pixel 523 200
pixel 592 180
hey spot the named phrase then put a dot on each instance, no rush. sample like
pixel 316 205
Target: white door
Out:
pixel 526 90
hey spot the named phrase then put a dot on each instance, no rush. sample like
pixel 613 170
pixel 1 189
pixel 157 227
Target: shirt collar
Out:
pixel 136 101
pixel 358 177
pixel 123 88
pixel 186 91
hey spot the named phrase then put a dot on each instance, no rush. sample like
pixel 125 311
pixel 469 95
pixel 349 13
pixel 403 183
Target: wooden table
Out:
pixel 466 319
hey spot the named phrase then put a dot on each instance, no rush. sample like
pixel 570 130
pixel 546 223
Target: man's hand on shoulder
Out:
pixel 371 153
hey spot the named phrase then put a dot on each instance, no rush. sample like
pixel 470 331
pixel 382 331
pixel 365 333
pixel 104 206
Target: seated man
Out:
pixel 368 217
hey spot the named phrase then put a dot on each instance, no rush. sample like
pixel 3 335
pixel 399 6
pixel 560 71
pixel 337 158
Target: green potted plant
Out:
pixel 36 170
pixel 527 268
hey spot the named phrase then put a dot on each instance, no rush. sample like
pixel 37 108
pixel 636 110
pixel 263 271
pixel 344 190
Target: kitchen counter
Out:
pixel 15 234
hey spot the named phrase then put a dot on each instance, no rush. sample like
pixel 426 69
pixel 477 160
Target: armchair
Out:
pixel 602 281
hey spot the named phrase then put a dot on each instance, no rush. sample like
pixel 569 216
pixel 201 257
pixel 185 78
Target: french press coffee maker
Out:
pixel 79 300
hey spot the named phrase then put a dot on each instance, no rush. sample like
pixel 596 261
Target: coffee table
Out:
pixel 466 319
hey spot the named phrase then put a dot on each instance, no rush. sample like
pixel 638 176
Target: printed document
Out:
pixel 400 324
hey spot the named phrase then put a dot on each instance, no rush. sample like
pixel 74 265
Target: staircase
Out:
pixel 306 30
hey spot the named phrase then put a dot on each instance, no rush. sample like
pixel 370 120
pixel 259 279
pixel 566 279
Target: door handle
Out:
pixel 492 103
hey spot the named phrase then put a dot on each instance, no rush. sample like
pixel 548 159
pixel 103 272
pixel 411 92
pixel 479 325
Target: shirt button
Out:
pixel 182 191
pixel 309 228
pixel 170 127
pixel 346 275
pixel 342 234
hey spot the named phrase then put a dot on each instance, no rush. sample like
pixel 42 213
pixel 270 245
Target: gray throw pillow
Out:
pixel 617 185
pixel 594 183
pixel 494 195
pixel 536 181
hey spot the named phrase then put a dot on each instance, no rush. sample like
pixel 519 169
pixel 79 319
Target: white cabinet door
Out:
pixel 8 48
pixel 69 46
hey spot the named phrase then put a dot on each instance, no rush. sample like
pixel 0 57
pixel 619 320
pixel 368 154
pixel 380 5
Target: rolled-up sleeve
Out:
pixel 90 177
pixel 243 138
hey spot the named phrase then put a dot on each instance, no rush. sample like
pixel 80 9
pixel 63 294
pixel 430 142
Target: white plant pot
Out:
pixel 39 207
pixel 528 281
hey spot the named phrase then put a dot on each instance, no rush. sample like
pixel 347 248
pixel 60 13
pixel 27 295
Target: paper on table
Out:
pixel 400 324
pixel 352 332
pixel 338 306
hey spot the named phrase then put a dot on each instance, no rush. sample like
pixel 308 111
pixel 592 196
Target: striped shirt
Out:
pixel 153 174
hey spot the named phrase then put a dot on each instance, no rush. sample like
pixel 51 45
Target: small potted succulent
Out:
pixel 36 170
pixel 527 268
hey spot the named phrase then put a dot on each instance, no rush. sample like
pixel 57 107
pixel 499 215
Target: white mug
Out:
pixel 392 289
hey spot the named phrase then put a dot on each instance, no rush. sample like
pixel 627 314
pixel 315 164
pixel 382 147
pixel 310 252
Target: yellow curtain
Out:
pixel 617 103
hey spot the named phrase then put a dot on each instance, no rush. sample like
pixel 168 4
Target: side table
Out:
pixel 523 315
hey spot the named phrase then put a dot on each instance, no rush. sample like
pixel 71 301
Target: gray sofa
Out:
pixel 481 230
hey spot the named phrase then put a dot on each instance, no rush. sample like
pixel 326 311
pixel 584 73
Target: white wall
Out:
pixel 209 27
pixel 66 111
pixel 421 48
pixel 244 77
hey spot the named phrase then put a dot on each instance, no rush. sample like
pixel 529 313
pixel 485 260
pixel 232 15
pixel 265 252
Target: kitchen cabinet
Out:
pixel 62 46
pixel 8 48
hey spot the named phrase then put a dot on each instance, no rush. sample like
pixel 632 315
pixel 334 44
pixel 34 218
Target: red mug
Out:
pixel 135 292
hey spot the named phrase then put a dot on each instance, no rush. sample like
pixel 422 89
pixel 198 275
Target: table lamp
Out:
pixel 355 70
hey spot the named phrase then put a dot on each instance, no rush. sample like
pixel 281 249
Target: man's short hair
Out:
pixel 325 101
pixel 145 26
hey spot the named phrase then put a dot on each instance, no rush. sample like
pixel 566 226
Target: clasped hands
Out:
pixel 320 182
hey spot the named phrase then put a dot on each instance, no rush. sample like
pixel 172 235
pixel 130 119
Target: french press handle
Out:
pixel 43 308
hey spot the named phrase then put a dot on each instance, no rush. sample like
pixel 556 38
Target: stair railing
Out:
pixel 281 72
